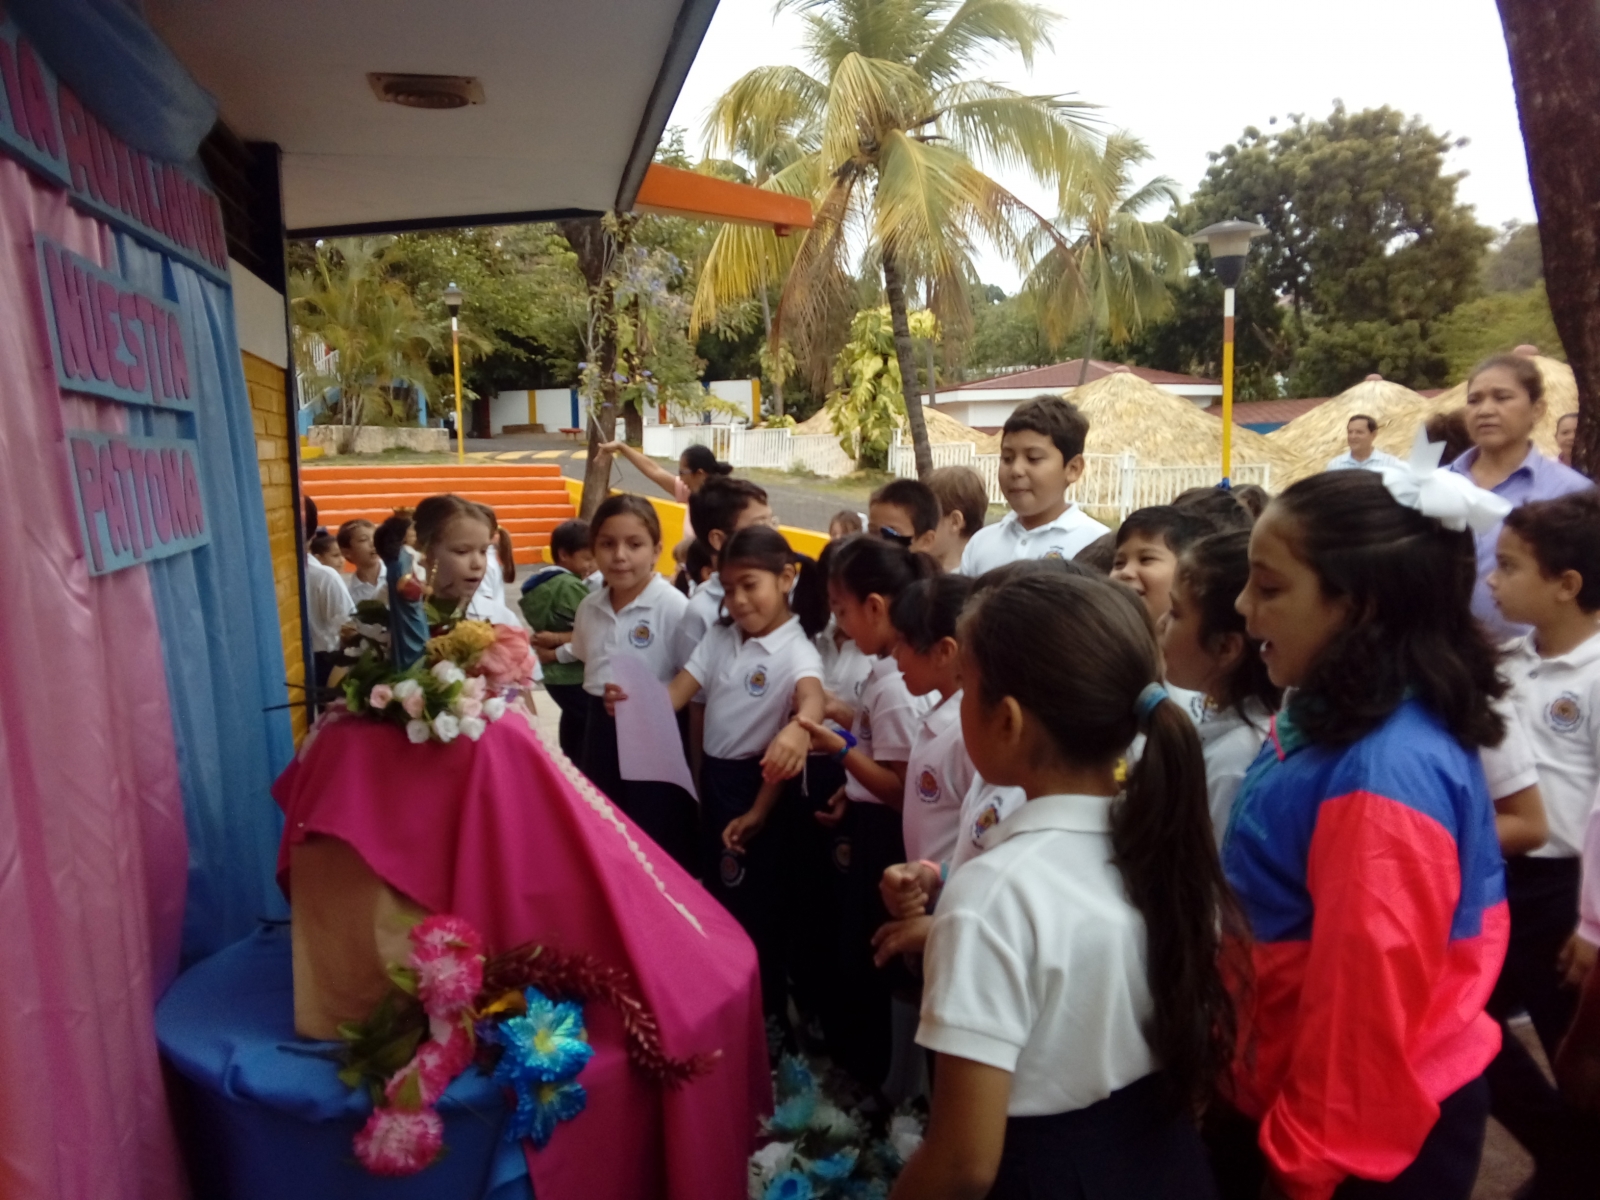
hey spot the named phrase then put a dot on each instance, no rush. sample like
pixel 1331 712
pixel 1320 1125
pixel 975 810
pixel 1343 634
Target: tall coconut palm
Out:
pixel 901 132
pixel 1115 275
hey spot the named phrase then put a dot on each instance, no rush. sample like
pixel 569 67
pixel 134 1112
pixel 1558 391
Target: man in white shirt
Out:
pixel 328 606
pixel 1359 433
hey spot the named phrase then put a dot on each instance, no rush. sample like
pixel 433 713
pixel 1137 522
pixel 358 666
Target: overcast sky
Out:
pixel 1160 69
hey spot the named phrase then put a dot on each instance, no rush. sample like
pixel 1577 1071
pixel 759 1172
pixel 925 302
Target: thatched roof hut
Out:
pixel 1127 414
pixel 1312 438
pixel 1560 397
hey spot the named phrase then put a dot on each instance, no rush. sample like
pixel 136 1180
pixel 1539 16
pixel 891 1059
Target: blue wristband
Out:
pixel 838 755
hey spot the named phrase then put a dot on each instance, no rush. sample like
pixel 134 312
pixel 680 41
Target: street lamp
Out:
pixel 453 296
pixel 1229 242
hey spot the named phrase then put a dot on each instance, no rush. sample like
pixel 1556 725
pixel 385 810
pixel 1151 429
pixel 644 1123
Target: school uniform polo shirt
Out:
pixel 844 668
pixel 1230 742
pixel 938 775
pixel 703 612
pixel 1558 699
pixel 361 592
pixel 645 626
pixel 1036 962
pixel 887 719
pixel 1538 478
pixel 749 684
pixel 983 807
pixel 328 604
pixel 1007 541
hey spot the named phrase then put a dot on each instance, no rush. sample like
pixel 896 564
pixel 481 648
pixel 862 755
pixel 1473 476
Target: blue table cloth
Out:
pixel 262 1112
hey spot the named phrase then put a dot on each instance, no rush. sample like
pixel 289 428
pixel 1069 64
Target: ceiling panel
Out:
pixel 566 85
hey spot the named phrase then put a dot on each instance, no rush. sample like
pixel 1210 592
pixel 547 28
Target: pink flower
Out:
pixel 475 687
pixel 443 932
pixel 435 1067
pixel 411 696
pixel 466 706
pixel 380 696
pixel 509 660
pixel 396 1142
pixel 447 982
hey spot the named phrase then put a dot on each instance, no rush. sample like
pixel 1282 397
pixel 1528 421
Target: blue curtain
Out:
pixel 219 627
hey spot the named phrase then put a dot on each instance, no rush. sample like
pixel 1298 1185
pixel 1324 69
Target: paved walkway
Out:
pixel 801 502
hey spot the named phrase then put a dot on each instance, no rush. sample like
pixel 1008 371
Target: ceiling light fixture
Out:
pixel 426 91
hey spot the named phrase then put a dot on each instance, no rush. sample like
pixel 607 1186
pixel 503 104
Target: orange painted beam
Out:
pixel 670 192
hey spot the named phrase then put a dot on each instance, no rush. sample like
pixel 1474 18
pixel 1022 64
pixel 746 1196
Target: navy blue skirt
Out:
pixel 1133 1145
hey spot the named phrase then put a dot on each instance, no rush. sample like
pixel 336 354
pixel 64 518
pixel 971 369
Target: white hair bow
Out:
pixel 1448 496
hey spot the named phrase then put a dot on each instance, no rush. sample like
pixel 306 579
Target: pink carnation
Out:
pixel 396 1142
pixel 447 982
pixel 509 660
pixel 380 696
pixel 443 933
pixel 436 1065
pixel 475 687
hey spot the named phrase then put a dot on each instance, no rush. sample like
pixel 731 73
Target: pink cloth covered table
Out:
pixel 516 841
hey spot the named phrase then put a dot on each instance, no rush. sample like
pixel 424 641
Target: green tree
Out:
pixel 359 332
pixel 1114 276
pixel 1496 323
pixel 1365 239
pixel 1515 262
pixel 1005 333
pixel 902 129
pixel 870 403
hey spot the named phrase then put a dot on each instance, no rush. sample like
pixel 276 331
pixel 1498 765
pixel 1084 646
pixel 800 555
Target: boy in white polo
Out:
pixel 1041 456
pixel 1547 575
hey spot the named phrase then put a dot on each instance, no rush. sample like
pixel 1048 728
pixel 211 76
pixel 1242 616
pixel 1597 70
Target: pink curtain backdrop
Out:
pixel 92 846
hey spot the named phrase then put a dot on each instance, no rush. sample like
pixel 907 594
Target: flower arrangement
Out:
pixel 820 1151
pixel 518 1016
pixel 469 673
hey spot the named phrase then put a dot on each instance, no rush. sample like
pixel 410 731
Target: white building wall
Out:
pixel 552 408
pixel 259 314
pixel 508 408
pixel 734 391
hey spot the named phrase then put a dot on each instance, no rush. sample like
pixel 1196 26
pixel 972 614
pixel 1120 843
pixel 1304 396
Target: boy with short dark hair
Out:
pixel 1148 544
pixel 369 581
pixel 963 508
pixel 1041 456
pixel 906 512
pixel 1547 575
pixel 550 599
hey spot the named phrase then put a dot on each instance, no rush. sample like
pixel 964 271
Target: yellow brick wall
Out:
pixel 269 406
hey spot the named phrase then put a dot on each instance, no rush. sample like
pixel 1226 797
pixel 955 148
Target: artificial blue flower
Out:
pixel 791 1185
pixel 793 1116
pixel 794 1076
pixel 547 1045
pixel 541 1108
pixel 836 1166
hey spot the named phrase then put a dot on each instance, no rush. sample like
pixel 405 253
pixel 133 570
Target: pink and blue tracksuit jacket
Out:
pixel 1372 881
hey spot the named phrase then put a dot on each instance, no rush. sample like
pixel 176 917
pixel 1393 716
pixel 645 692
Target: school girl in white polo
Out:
pixel 636 612
pixel 760 673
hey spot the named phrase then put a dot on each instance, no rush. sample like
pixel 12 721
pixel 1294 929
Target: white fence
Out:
pixel 1110 483
pixel 775 449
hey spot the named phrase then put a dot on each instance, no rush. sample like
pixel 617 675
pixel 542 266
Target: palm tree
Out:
pixel 372 336
pixel 900 131
pixel 1116 274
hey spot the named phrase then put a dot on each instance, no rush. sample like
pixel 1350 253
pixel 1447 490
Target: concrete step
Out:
pixel 396 498
pixel 441 472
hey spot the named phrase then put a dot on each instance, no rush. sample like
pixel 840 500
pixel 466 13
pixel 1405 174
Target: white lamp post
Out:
pixel 1229 242
pixel 453 296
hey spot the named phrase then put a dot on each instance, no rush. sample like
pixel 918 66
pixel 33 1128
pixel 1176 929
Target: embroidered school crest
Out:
pixel 841 855
pixel 641 635
pixel 730 869
pixel 928 786
pixel 987 820
pixel 865 733
pixel 756 682
pixel 1054 552
pixel 1564 715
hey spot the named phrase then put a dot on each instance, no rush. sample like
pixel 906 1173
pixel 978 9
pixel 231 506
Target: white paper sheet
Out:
pixel 648 744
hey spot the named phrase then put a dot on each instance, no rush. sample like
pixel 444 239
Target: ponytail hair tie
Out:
pixel 1152 695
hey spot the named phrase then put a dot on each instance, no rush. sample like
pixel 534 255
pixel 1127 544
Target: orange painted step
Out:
pixel 436 471
pixel 396 498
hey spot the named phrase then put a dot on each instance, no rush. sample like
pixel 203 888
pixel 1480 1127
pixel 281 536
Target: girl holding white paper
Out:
pixel 635 613
pixel 762 676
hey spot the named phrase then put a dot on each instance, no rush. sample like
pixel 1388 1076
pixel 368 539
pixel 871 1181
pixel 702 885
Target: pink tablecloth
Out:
pixel 520 844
